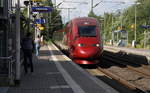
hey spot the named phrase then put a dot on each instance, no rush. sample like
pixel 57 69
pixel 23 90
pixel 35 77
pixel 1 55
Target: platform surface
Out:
pixel 55 73
pixel 144 52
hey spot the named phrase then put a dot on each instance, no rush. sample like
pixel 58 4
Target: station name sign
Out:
pixel 41 9
pixel 145 26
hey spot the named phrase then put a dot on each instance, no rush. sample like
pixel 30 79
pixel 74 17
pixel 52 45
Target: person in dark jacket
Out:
pixel 27 45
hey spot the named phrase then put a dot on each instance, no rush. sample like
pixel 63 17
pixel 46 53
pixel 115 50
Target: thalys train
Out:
pixel 81 37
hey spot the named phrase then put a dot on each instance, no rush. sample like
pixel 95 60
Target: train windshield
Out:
pixel 87 31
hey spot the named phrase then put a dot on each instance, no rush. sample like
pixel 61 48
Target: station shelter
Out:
pixel 120 38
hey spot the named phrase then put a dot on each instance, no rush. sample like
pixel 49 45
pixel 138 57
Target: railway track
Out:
pixel 111 73
pixel 131 71
pixel 133 75
pixel 140 69
pixel 105 72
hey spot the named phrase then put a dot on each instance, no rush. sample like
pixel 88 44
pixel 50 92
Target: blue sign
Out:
pixel 145 26
pixel 39 21
pixel 42 9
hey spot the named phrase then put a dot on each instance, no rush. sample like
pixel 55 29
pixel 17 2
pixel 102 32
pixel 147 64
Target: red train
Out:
pixel 81 37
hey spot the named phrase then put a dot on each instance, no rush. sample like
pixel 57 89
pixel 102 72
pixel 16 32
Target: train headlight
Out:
pixel 97 45
pixel 80 45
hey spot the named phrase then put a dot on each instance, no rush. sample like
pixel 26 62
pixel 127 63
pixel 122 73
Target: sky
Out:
pixel 83 8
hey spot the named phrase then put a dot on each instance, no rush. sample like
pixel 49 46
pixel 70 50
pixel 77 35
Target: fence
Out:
pixel 7 70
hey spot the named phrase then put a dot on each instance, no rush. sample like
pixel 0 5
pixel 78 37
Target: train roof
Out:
pixel 84 19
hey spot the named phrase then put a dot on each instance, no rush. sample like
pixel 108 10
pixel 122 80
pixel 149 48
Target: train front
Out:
pixel 88 45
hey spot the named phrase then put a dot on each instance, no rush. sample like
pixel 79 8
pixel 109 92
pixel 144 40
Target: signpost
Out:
pixel 145 26
pixel 41 9
pixel 39 21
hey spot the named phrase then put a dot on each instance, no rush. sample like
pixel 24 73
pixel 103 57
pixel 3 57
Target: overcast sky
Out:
pixel 83 9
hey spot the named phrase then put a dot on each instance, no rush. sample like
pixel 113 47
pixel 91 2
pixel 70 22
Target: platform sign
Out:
pixel 41 28
pixel 39 21
pixel 145 26
pixel 42 9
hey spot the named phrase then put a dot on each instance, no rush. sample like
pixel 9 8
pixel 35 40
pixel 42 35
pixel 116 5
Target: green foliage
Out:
pixel 53 19
pixel 127 18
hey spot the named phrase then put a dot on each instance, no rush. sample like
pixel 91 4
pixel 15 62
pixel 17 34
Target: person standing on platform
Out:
pixel 42 41
pixel 27 46
pixel 37 44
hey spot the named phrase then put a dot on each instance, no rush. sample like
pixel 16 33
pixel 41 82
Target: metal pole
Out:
pixel 112 29
pixel 68 14
pixel 127 38
pixel 121 22
pixel 18 43
pixel 135 25
pixel 29 14
pixel 92 6
pixel 145 39
pixel 47 22
pixel 104 28
pixel 55 2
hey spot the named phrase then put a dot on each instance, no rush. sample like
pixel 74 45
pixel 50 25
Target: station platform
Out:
pixel 56 73
pixel 138 52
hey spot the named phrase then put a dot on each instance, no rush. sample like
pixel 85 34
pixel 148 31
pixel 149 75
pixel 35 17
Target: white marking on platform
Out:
pixel 75 87
pixel 61 86
pixel 67 58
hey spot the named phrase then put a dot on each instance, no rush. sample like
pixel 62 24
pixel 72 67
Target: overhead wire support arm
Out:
pixel 97 4
pixel 76 2
pixel 114 2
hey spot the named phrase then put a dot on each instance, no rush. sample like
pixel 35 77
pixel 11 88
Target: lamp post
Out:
pixel 28 5
pixel 92 6
pixel 135 25
pixel 135 28
pixel 18 64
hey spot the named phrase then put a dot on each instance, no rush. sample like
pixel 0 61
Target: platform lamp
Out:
pixel 34 16
pixel 27 4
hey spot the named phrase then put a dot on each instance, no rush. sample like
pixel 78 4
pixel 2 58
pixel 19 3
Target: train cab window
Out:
pixel 87 31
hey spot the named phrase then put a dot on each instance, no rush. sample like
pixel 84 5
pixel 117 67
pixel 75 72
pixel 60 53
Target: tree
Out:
pixel 53 19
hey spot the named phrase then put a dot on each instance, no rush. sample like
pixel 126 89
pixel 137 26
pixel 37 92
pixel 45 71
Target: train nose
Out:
pixel 88 53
